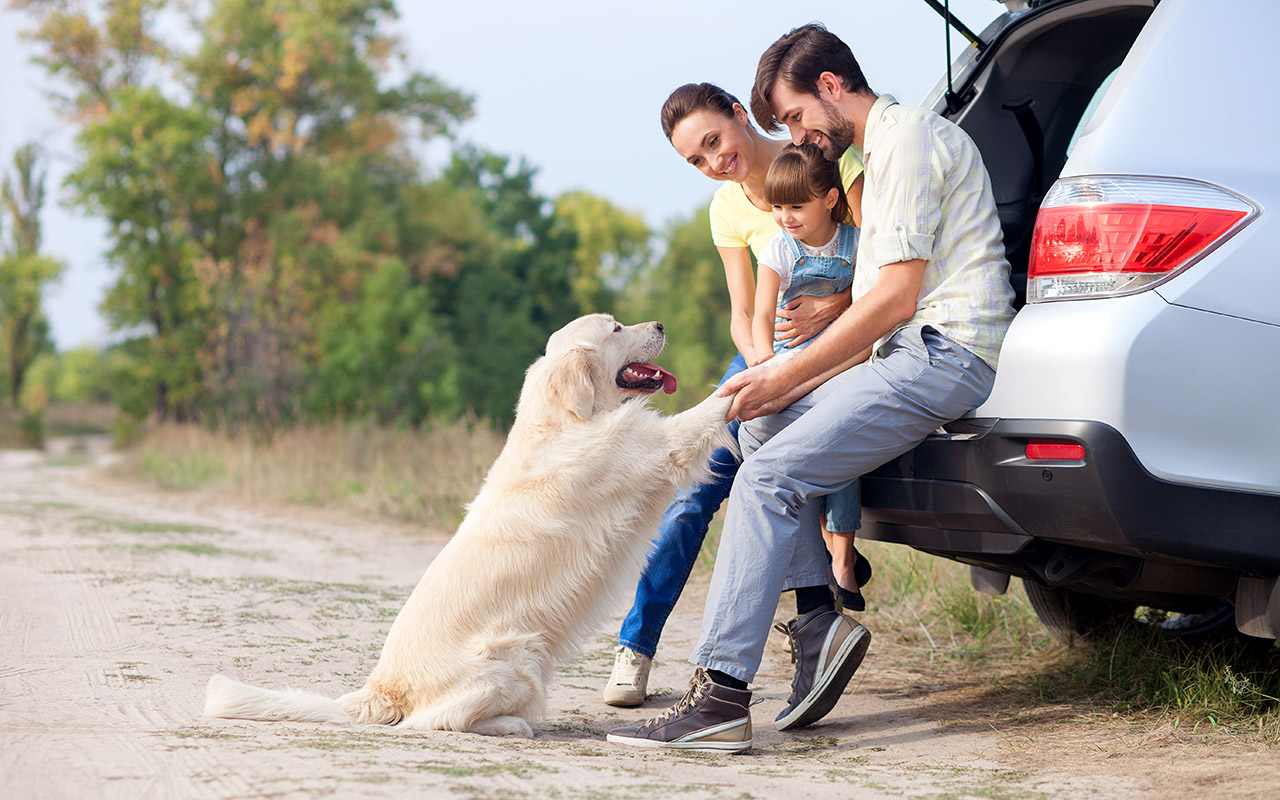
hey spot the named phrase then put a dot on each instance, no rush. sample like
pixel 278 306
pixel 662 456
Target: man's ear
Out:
pixel 570 382
pixel 830 86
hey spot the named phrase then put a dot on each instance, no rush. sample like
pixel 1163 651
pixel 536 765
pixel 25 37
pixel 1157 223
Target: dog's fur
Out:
pixel 554 541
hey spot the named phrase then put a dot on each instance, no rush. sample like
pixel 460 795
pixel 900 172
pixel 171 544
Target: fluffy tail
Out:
pixel 232 699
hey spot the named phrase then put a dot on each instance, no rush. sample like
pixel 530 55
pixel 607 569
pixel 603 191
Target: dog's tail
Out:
pixel 234 700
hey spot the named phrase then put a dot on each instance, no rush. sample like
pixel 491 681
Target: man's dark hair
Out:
pixel 695 97
pixel 797 59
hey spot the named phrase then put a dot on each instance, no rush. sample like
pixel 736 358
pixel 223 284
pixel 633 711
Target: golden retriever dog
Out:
pixel 553 543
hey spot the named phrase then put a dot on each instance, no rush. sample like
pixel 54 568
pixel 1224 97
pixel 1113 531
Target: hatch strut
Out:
pixel 944 8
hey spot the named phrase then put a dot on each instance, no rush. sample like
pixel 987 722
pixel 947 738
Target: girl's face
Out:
pixel 809 222
pixel 719 146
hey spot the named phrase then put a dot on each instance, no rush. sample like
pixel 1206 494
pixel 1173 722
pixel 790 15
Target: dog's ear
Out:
pixel 571 381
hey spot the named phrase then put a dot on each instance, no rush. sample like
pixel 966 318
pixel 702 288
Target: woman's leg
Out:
pixel 676 546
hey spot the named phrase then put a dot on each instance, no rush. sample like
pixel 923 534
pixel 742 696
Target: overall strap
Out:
pixel 797 255
pixel 847 233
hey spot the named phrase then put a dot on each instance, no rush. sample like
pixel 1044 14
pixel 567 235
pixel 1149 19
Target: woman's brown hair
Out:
pixel 800 173
pixel 695 97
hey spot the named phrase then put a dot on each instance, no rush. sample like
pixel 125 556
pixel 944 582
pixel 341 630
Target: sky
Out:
pixel 572 87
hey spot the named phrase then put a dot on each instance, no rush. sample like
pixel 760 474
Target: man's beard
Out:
pixel 839 134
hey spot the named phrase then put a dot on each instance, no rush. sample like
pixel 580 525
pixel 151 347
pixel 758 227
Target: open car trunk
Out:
pixel 1024 89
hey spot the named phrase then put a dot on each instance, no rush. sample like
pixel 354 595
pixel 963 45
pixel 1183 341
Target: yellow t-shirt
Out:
pixel 735 222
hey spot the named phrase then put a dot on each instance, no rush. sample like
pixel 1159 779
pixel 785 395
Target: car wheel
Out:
pixel 1073 616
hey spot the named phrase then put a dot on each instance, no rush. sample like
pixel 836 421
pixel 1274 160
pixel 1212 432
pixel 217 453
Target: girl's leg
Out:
pixel 842 518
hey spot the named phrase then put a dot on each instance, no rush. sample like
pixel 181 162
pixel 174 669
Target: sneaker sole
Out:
pixel 714 747
pixel 824 696
pixel 624 700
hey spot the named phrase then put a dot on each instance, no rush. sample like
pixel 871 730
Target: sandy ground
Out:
pixel 117 602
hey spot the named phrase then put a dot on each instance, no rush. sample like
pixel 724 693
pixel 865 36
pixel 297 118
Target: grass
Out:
pixel 930 620
pixel 423 476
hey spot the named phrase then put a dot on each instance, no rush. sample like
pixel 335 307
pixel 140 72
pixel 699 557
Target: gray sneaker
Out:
pixel 827 649
pixel 709 717
pixel 630 679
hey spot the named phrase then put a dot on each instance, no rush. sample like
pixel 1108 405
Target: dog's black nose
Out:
pixel 658 325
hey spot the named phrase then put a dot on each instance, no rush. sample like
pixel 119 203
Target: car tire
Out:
pixel 1073 617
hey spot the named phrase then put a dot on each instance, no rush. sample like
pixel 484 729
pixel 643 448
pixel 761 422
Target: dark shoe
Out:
pixel 827 649
pixel 852 599
pixel 709 717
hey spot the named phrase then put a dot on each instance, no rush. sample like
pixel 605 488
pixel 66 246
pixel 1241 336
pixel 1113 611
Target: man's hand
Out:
pixel 759 393
pixel 807 317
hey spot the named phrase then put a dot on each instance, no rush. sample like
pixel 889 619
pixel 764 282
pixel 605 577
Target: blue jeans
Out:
pixel 676 546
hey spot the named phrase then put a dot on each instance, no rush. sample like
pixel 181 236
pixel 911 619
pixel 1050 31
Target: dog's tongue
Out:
pixel 657 373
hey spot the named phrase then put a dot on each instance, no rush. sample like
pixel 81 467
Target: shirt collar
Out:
pixel 874 117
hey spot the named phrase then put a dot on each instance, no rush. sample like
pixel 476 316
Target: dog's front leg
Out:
pixel 695 434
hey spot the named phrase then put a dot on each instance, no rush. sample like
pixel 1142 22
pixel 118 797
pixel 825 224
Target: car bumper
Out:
pixel 972 494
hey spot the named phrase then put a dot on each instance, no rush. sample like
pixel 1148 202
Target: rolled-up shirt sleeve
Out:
pixel 909 196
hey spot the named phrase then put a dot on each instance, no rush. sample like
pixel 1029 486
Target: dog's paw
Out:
pixel 503 726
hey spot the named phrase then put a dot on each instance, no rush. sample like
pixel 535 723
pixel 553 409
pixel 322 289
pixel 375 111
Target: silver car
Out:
pixel 1130 451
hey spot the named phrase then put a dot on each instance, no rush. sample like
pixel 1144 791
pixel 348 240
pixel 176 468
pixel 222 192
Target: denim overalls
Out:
pixel 817 276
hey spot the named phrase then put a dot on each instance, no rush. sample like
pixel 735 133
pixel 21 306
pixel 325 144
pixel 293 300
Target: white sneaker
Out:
pixel 630 679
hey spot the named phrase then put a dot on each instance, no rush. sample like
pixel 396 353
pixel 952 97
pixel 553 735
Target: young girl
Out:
pixel 812 255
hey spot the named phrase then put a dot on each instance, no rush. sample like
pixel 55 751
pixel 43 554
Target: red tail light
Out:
pixel 1099 237
pixel 1055 450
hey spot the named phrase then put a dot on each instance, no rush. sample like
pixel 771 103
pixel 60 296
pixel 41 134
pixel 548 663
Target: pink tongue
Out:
pixel 668 381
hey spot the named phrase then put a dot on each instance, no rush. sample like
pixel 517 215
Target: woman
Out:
pixel 709 128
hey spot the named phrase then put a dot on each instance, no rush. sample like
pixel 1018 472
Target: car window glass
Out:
pixel 1089 109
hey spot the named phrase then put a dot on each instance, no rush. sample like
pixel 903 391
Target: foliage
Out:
pixel 24 273
pixel 686 292
pixel 281 252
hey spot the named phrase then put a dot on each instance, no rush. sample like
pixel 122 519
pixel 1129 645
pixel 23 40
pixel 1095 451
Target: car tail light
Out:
pixel 1106 236
pixel 1055 450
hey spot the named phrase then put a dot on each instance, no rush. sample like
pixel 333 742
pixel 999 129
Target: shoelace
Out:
pixel 697 689
pixel 792 645
pixel 793 648
pixel 629 656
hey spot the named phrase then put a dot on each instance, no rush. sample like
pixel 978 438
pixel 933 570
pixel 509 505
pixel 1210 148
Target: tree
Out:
pixel 252 186
pixel 686 291
pixel 24 273
pixel 613 246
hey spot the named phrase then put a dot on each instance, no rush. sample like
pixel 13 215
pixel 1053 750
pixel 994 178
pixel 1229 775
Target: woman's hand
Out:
pixel 807 316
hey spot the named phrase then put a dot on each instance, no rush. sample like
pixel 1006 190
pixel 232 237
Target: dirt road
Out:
pixel 118 602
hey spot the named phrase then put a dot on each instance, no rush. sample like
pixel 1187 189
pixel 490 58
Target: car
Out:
pixel 1129 453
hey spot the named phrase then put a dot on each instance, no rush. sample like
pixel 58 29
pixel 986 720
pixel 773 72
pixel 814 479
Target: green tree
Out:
pixel 613 246
pixel 24 273
pixel 686 291
pixel 506 304
pixel 252 187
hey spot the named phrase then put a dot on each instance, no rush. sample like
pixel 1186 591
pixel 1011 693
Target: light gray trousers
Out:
pixel 847 427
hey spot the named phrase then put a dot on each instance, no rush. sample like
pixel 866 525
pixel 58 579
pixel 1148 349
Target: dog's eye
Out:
pixel 617 326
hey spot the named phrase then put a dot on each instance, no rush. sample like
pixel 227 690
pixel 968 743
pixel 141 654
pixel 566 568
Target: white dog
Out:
pixel 554 541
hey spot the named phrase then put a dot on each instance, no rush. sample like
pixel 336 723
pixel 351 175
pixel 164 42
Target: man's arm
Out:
pixel 891 300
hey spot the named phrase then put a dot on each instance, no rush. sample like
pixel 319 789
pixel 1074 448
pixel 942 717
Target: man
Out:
pixel 931 300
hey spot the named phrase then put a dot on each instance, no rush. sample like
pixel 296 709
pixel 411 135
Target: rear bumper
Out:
pixel 973 495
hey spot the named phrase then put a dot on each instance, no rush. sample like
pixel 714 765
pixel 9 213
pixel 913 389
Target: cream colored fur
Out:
pixel 553 543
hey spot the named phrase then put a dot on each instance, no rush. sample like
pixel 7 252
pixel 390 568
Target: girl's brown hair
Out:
pixel 799 173
pixel 695 97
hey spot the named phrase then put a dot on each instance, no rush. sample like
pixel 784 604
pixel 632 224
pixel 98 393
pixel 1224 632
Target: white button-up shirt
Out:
pixel 928 196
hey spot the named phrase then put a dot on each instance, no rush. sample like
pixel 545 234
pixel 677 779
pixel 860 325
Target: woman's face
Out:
pixel 719 146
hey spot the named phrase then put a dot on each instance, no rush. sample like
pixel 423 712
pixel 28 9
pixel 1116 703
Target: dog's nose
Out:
pixel 658 325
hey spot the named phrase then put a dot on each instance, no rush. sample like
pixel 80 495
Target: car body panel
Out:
pixel 1169 112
